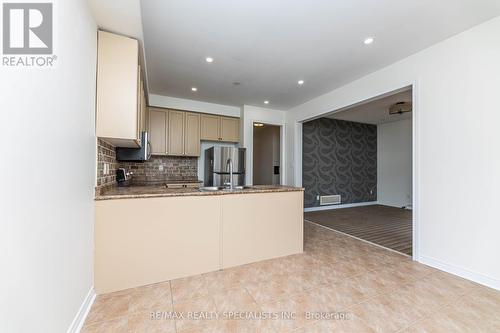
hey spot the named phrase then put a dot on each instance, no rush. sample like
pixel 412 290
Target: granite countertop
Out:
pixel 132 192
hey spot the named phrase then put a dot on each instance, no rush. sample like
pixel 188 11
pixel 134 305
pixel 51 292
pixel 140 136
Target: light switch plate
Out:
pixel 160 167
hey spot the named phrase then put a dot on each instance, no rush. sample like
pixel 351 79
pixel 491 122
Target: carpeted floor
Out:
pixel 383 225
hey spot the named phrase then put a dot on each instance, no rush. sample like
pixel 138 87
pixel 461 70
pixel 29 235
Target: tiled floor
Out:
pixel 339 284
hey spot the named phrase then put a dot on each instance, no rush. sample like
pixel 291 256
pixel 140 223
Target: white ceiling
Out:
pixel 375 111
pixel 268 45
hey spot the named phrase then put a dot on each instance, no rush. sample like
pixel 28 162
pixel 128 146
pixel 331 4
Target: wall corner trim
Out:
pixel 82 313
pixel 480 278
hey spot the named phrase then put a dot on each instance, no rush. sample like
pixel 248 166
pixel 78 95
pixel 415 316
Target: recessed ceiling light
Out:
pixel 209 59
pixel 194 89
pixel 266 102
pixel 300 82
pixel 368 40
pixel 258 124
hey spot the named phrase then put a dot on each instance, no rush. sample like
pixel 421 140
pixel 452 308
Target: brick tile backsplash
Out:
pixel 174 168
pixel 106 154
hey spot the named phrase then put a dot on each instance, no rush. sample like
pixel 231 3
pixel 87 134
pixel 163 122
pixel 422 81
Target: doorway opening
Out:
pixel 357 171
pixel 266 154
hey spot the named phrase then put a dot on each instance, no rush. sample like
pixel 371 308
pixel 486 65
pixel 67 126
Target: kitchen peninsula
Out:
pixel 150 234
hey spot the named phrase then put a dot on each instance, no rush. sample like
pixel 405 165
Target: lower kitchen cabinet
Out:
pixel 142 241
pixel 145 241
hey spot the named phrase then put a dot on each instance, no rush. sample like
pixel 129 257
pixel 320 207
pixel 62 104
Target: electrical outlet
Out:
pixel 317 197
pixel 160 167
pixel 106 169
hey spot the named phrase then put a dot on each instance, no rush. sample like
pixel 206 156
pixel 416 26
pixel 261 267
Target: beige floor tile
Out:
pixel 378 314
pixel 141 322
pixel 235 300
pixel 224 280
pixel 241 326
pixel 338 326
pixel 197 313
pixel 340 296
pixel 443 321
pixel 156 298
pixel 291 312
pixel 378 291
pixel 189 288
pixel 454 283
pixel 271 290
pixel 117 325
pixel 109 307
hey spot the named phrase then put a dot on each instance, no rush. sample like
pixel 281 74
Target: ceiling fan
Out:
pixel 400 108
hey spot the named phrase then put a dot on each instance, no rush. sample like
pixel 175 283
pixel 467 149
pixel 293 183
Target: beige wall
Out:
pixel 46 204
pixel 456 131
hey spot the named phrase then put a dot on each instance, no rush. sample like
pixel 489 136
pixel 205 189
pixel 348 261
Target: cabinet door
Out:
pixel 210 127
pixel 176 132
pixel 192 134
pixel 158 131
pixel 117 89
pixel 229 129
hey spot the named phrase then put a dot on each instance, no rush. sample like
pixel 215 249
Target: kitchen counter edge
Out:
pixel 182 192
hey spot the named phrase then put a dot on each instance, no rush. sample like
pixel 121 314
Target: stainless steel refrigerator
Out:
pixel 218 161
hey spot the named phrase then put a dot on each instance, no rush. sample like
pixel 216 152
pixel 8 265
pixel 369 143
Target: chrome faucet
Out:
pixel 230 164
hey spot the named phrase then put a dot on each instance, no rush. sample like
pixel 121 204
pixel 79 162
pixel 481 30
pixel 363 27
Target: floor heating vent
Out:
pixel 329 199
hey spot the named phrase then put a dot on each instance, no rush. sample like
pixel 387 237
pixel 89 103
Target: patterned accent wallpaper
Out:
pixel 339 157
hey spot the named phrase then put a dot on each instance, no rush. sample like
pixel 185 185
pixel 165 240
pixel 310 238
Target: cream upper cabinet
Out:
pixel 118 95
pixel 192 134
pixel 179 133
pixel 217 128
pixel 210 127
pixel 176 132
pixel 229 129
pixel 158 123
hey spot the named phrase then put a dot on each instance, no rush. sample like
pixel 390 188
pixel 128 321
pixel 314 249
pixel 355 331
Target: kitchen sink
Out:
pixel 223 188
pixel 236 188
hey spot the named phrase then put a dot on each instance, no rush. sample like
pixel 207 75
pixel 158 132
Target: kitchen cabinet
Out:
pixel 118 104
pixel 229 129
pixel 218 128
pixel 150 240
pixel 179 133
pixel 192 134
pixel 210 127
pixel 158 120
pixel 175 132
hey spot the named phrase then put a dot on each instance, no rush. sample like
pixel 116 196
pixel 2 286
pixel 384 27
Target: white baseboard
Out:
pixel 82 313
pixel 462 272
pixel 357 204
